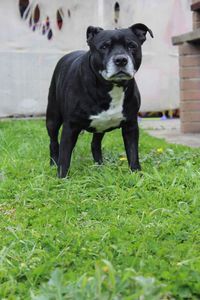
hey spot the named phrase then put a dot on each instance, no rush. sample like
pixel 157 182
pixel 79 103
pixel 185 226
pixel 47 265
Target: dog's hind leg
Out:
pixel 96 147
pixel 53 126
pixel 68 141
pixel 53 122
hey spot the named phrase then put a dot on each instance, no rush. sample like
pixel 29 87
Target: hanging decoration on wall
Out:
pixel 30 10
pixel 116 12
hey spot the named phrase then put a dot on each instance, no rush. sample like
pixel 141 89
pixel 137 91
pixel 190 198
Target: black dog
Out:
pixel 96 91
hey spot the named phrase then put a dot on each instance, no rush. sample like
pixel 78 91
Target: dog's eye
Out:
pixel 132 46
pixel 105 46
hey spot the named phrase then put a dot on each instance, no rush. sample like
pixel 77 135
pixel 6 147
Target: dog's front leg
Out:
pixel 130 133
pixel 68 140
pixel 96 147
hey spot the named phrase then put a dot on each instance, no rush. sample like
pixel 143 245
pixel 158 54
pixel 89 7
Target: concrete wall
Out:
pixel 28 58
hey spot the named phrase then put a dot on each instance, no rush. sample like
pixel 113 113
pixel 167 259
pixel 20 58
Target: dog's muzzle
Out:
pixel 119 67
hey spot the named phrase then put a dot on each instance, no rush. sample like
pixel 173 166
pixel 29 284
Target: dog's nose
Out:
pixel 120 60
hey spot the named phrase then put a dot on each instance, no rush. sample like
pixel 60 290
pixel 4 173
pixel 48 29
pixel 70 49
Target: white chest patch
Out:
pixel 113 116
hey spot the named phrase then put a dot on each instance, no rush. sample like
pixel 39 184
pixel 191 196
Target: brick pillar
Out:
pixel 196 19
pixel 189 62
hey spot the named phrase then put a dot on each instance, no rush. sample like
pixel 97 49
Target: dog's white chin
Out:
pixel 116 77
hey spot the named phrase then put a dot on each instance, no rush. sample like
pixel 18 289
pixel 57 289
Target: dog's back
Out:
pixel 64 70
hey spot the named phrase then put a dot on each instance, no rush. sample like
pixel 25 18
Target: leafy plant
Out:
pixel 105 284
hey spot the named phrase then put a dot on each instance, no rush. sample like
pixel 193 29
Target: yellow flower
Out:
pixel 123 158
pixel 105 269
pixel 160 150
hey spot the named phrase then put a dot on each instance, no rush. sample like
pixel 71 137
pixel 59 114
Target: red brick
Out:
pixel 190 106
pixel 196 25
pixel 193 72
pixel 190 49
pixel 190 84
pixel 196 20
pixel 190 95
pixel 190 116
pixel 195 6
pixel 196 16
pixel 189 60
pixel 192 127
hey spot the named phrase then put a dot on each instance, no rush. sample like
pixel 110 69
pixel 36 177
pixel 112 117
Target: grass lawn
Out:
pixel 104 233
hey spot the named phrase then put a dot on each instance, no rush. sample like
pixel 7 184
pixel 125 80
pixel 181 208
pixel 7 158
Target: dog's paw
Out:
pixel 136 168
pixel 53 162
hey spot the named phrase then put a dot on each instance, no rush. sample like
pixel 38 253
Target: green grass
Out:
pixel 103 233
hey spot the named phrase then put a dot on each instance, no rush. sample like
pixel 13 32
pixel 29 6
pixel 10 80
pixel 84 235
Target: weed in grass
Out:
pixel 105 284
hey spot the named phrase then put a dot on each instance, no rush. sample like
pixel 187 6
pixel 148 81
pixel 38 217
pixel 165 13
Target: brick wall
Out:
pixel 196 20
pixel 189 66
pixel 189 62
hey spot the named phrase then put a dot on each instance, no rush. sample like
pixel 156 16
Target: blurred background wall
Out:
pixel 35 34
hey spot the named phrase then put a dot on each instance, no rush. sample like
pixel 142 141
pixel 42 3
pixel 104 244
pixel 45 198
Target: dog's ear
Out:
pixel 140 31
pixel 91 32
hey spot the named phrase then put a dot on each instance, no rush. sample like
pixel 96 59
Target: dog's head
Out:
pixel 116 54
